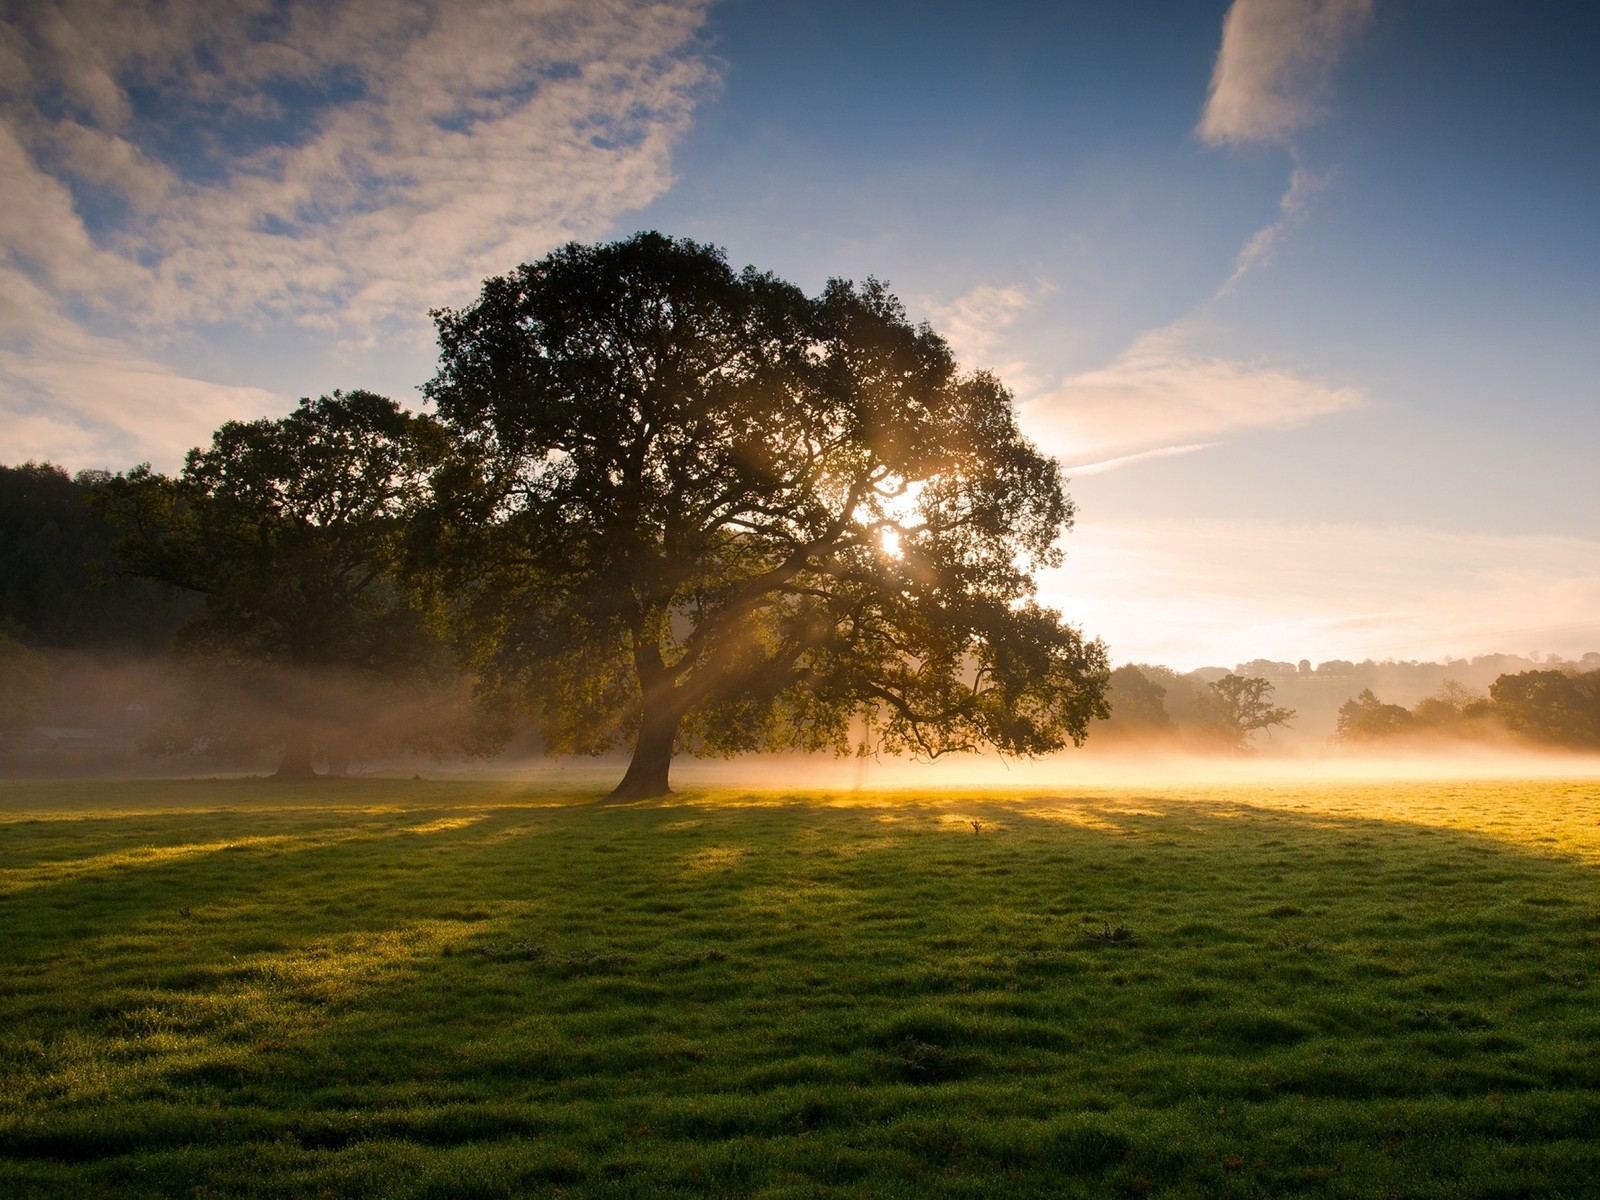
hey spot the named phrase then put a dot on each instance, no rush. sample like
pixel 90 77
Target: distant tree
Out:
pixel 1447 710
pixel 292 531
pixel 1365 718
pixel 1135 699
pixel 1183 697
pixel 696 509
pixel 1559 708
pixel 1241 704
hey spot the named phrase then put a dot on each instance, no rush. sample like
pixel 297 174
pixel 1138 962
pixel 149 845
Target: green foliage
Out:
pixel 1366 718
pixel 1135 698
pixel 696 507
pixel 59 583
pixel 1552 708
pixel 1240 705
pixel 1555 707
pixel 292 530
pixel 214 991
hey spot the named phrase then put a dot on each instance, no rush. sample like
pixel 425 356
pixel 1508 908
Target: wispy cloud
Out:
pixel 1198 592
pixel 975 322
pixel 88 401
pixel 1123 460
pixel 362 160
pixel 341 166
pixel 978 325
pixel 1273 70
pixel 1258 250
pixel 1163 393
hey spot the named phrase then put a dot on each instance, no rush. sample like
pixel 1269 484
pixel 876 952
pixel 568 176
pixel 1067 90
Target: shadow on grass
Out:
pixel 1043 996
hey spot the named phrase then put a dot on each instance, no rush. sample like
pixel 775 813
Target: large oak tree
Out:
pixel 693 508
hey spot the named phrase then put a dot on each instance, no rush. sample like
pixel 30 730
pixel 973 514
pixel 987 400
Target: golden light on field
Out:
pixel 16 879
pixel 1552 815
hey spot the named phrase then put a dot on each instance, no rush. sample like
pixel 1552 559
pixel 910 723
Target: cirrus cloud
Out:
pixel 1163 393
pixel 343 165
pixel 178 166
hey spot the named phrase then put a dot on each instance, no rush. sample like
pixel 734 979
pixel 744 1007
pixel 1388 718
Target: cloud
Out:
pixel 174 166
pixel 975 322
pixel 978 324
pixel 1163 393
pixel 83 400
pixel 1272 71
pixel 1112 464
pixel 1258 250
pixel 346 165
pixel 1209 592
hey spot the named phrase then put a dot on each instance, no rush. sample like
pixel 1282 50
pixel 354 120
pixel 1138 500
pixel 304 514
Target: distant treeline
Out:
pixel 97 664
pixel 84 645
pixel 1558 706
pixel 1553 704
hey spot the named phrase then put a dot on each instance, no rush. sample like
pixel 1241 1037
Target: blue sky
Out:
pixel 1302 292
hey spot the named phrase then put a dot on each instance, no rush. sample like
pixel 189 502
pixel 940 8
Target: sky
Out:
pixel 1303 294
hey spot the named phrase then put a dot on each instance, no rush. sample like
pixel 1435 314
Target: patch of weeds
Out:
pixel 1086 1149
pixel 1119 934
pixel 560 966
pixel 523 951
pixel 916 1061
pixel 1297 945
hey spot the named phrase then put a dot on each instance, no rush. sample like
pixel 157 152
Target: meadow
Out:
pixel 463 988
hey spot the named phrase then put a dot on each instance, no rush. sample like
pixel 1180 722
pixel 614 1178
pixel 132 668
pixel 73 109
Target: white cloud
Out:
pixel 1207 592
pixel 1163 393
pixel 1272 71
pixel 40 229
pixel 1257 251
pixel 339 166
pixel 87 401
pixel 1123 460
pixel 975 323
pixel 978 325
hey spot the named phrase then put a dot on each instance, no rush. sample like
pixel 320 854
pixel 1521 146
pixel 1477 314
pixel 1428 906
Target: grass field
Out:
pixel 453 989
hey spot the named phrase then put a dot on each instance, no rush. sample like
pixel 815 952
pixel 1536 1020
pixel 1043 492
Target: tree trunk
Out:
pixel 646 778
pixel 295 765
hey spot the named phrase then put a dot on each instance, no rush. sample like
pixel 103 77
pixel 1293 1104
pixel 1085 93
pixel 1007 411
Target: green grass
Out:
pixel 456 989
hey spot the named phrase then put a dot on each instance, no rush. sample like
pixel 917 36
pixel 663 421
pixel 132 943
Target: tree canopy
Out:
pixel 1553 707
pixel 292 531
pixel 1137 703
pixel 1366 718
pixel 59 584
pixel 1557 708
pixel 1242 704
pixel 691 507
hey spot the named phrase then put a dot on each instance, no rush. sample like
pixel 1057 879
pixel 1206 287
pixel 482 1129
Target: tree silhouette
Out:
pixel 291 530
pixel 1366 718
pixel 694 508
pixel 1242 704
pixel 1559 708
